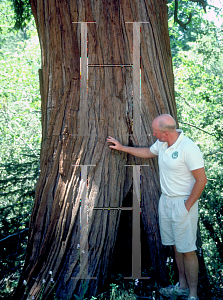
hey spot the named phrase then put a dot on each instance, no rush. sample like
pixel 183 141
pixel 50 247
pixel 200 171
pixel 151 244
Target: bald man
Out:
pixel 182 180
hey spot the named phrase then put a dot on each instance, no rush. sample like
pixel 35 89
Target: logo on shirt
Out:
pixel 175 154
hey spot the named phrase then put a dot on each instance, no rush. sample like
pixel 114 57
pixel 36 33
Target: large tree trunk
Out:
pixel 76 121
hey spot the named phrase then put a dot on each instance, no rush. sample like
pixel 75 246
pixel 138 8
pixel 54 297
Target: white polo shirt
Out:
pixel 175 163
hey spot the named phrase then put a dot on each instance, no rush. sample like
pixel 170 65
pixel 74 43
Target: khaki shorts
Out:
pixel 178 226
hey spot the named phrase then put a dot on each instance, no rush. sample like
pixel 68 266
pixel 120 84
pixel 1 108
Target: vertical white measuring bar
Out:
pixel 84 224
pixel 84 210
pixel 84 73
pixel 136 229
pixel 136 232
pixel 136 80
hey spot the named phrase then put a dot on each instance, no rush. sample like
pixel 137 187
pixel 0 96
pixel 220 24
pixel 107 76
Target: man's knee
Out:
pixel 190 255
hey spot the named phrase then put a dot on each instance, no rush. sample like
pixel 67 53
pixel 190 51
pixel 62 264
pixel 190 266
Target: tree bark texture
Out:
pixel 75 127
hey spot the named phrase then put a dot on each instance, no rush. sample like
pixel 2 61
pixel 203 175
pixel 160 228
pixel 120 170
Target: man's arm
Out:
pixel 200 182
pixel 139 152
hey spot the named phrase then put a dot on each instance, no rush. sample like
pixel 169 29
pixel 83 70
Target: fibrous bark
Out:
pixel 74 135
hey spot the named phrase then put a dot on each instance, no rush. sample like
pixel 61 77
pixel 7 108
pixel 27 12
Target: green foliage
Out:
pixel 199 97
pixel 19 146
pixel 23 13
pixel 117 291
pixel 179 36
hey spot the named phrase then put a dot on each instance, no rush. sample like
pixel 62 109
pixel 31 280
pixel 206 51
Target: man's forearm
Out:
pixel 136 151
pixel 195 194
pixel 200 182
pixel 139 152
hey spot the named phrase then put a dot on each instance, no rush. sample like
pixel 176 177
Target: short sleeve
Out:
pixel 155 148
pixel 193 157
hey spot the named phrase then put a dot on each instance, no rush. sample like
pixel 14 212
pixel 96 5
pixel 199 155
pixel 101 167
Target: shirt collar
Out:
pixel 179 139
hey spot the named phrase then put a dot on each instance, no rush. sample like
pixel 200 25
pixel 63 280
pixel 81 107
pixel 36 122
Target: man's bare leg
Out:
pixel 191 271
pixel 181 269
pixel 187 264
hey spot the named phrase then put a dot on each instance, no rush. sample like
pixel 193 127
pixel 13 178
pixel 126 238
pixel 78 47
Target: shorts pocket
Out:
pixel 180 212
pixel 181 209
pixel 184 207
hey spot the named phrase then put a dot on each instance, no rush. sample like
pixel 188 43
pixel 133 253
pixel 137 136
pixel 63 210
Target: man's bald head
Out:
pixel 165 122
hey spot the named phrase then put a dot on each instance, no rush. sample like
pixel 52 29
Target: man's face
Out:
pixel 160 135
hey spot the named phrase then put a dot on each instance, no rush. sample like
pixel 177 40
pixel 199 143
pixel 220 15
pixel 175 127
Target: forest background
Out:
pixel 197 52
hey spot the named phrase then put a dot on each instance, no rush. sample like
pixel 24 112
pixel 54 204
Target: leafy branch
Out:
pixel 14 234
pixel 196 110
pixel 202 2
pixel 213 234
pixel 178 20
pixel 181 23
pixel 217 137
